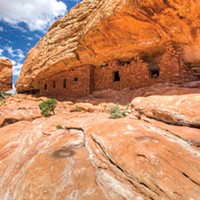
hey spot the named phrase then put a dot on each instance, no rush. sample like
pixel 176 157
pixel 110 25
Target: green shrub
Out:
pixel 59 126
pixel 78 109
pixel 117 112
pixel 47 107
pixel 127 106
pixel 2 95
pixel 2 101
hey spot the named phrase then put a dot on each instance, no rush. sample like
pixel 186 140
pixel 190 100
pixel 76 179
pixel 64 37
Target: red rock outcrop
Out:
pixel 15 108
pixel 93 157
pixel 80 153
pixel 19 108
pixel 95 33
pixel 178 110
pixel 5 74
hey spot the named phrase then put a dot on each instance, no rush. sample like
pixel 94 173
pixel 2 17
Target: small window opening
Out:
pixel 35 91
pixel 54 84
pixel 65 83
pixel 45 86
pixel 154 73
pixel 75 79
pixel 116 76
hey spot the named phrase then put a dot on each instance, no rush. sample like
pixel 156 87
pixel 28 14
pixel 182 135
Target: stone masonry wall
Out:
pixel 131 75
pixel 72 83
pixel 137 74
pixel 172 67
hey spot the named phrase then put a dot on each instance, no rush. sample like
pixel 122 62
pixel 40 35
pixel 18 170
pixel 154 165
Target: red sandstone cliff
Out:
pixel 5 74
pixel 97 32
pixel 152 153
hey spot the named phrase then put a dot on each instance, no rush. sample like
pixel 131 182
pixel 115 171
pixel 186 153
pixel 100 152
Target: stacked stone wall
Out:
pixel 72 83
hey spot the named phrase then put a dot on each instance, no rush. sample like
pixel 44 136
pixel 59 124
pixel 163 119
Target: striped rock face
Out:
pixel 82 154
pixel 5 74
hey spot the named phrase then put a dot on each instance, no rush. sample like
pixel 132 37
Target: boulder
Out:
pixel 19 108
pixel 5 74
pixel 175 109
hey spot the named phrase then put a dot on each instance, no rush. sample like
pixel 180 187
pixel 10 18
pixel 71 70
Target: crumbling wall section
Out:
pixel 72 83
pixel 171 65
pixel 139 73
pixel 118 75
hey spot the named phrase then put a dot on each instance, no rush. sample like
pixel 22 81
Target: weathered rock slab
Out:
pixel 175 109
pixel 156 162
pixel 38 166
pixel 93 157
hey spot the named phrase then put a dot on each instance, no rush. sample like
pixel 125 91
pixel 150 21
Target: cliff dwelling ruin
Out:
pixel 136 73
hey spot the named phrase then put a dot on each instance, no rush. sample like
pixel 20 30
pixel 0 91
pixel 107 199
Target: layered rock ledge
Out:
pixel 101 31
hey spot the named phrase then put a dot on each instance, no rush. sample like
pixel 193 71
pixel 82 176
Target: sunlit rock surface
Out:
pixel 83 154
pixel 178 110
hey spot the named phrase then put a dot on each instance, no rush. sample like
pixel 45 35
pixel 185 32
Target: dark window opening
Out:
pixel 116 76
pixel 35 91
pixel 65 83
pixel 45 86
pixel 154 73
pixel 75 79
pixel 154 70
pixel 123 63
pixel 54 84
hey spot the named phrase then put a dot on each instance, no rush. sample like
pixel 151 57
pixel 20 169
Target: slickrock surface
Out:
pixel 96 32
pixel 91 156
pixel 179 110
pixel 5 74
pixel 19 108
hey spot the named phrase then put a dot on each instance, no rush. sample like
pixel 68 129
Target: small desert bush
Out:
pixel 59 126
pixel 78 109
pixel 3 95
pixel 47 107
pixel 2 101
pixel 117 112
